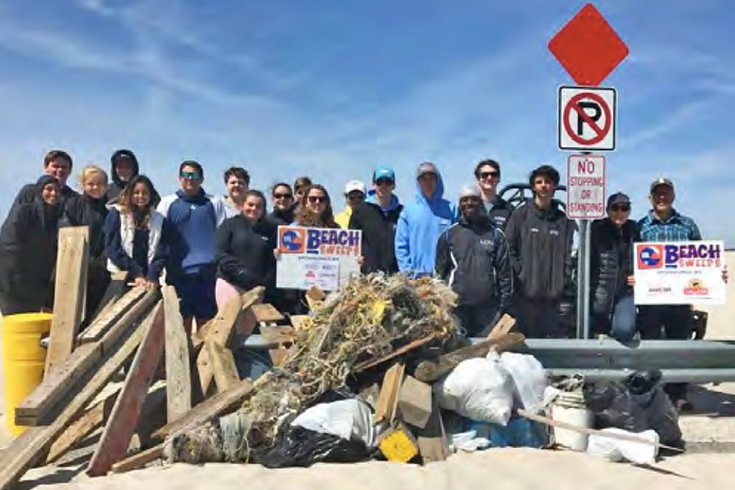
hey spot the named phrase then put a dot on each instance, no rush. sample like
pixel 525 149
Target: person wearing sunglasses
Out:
pixel 421 223
pixel 315 209
pixel 355 193
pixel 194 216
pixel 611 271
pixel 283 205
pixel 487 173
pixel 377 218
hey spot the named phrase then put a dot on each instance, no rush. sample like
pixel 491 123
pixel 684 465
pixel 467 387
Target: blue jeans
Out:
pixel 623 319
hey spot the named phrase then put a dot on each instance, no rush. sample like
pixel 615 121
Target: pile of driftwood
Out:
pixel 135 379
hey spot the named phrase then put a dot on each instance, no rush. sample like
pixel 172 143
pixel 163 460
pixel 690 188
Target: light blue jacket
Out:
pixel 419 226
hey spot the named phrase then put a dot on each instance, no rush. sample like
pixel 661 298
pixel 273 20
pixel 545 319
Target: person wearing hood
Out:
pixel 284 205
pixel 90 209
pixel 28 244
pixel 355 193
pixel 123 167
pixel 192 270
pixel 472 257
pixel 611 270
pixel 57 164
pixel 421 222
pixel 540 238
pixel 377 218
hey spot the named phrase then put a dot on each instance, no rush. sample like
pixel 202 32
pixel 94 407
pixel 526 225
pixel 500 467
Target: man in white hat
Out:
pixel 355 192
pixel 472 256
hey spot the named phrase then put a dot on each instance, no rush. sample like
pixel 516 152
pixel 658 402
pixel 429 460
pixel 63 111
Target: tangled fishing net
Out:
pixel 369 318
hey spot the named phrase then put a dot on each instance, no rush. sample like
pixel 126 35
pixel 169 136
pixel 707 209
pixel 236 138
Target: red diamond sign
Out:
pixel 588 48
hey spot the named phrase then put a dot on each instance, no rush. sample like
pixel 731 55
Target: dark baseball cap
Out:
pixel 661 181
pixel 618 198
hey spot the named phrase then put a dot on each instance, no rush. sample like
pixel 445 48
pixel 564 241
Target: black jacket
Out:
pixel 541 251
pixel 28 243
pixel 29 192
pixel 499 211
pixel 473 258
pixel 117 185
pixel 378 236
pixel 86 211
pixel 280 217
pixel 611 262
pixel 245 253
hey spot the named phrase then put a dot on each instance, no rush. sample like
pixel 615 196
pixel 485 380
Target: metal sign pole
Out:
pixel 583 281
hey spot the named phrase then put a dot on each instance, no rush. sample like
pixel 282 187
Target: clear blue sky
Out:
pixel 332 88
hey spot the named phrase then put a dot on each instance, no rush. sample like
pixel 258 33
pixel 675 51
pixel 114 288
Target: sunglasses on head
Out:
pixel 286 195
pixel 316 199
pixel 384 181
pixel 620 207
pixel 487 175
pixel 190 175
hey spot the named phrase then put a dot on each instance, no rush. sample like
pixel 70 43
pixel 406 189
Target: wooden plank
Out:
pixel 400 351
pixel 54 387
pixel 267 313
pixel 107 319
pixel 297 321
pixel 221 331
pixel 178 360
pixel 70 292
pixel 278 356
pixel 385 409
pixel 42 404
pixel 87 423
pixel 504 326
pixel 208 409
pixel 123 420
pixel 138 460
pixel 31 446
pixel 428 371
pixel 414 402
pixel 223 366
pixel 248 298
pixel 432 440
pixel 277 334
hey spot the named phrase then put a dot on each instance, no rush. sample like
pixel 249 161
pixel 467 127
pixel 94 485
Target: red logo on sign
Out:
pixel 599 132
pixel 588 47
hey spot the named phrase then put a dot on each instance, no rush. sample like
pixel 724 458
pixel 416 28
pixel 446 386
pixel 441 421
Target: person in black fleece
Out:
pixel 611 270
pixel 472 256
pixel 28 244
pixel 245 246
pixel 123 167
pixel 540 238
pixel 283 205
pixel 90 209
pixel 57 164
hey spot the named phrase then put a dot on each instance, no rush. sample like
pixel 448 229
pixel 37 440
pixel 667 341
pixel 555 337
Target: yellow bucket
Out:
pixel 23 359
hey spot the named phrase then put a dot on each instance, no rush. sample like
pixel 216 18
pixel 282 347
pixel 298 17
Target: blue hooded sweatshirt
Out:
pixel 419 226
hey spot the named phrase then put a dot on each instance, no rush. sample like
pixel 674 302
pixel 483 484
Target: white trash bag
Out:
pixel 349 419
pixel 529 378
pixel 479 389
pixel 619 450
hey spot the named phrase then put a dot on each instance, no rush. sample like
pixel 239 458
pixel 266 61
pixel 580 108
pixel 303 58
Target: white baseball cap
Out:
pixel 355 185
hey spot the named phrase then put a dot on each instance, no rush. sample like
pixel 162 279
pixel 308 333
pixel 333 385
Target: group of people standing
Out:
pixel 496 257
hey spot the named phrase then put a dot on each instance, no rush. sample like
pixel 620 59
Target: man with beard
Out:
pixel 472 256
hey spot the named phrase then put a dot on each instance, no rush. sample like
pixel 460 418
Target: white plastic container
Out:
pixel 569 407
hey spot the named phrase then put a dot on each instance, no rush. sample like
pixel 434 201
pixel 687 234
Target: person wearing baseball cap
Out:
pixel 355 193
pixel 472 256
pixel 611 271
pixel 421 223
pixel 663 223
pixel 377 218
pixel 540 238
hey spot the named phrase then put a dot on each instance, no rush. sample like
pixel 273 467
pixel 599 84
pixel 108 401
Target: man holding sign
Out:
pixel 671 321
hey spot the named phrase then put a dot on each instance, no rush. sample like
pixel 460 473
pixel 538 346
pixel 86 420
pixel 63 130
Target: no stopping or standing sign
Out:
pixel 585 187
pixel 587 118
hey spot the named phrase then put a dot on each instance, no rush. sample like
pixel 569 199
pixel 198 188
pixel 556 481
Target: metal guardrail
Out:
pixel 693 361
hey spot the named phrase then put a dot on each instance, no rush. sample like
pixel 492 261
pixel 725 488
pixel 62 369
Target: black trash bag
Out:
pixel 296 446
pixel 637 404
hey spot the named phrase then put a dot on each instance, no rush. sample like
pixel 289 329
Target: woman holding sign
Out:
pixel 244 251
pixel 315 209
